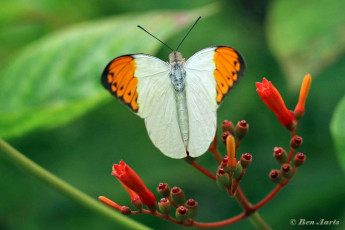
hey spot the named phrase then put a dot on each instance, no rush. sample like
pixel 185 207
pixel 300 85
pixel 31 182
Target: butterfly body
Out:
pixel 177 76
pixel 178 100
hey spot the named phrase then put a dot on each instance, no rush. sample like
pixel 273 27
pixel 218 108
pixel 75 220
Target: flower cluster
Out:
pixel 230 171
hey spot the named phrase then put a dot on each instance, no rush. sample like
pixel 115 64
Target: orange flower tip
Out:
pixel 109 202
pixel 303 94
pixel 231 152
pixel 126 210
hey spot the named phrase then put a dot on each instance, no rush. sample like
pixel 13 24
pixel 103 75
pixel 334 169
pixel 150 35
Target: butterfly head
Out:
pixel 176 57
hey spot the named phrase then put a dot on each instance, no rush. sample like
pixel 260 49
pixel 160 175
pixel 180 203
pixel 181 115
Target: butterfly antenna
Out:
pixel 155 37
pixel 188 32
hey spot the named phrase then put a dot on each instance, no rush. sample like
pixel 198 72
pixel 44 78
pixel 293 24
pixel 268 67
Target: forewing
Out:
pixel 211 74
pixel 225 64
pixel 142 82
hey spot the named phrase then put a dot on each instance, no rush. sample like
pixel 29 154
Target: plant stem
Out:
pixel 68 190
pixel 203 170
pixel 214 150
pixel 258 222
pixel 242 200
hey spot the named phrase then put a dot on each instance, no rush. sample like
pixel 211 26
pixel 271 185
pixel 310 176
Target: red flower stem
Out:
pixel 203 170
pixel 192 222
pixel 273 193
pixel 160 215
pixel 214 150
pixel 268 197
pixel 292 150
pixel 242 200
pixel 220 223
pixel 171 202
pixel 237 143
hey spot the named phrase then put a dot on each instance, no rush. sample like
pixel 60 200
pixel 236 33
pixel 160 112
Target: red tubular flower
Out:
pixel 135 199
pixel 273 100
pixel 128 177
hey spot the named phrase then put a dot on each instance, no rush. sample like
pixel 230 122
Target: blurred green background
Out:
pixel 54 109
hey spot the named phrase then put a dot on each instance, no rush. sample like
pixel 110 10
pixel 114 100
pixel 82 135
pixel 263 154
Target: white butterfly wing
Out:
pixel 210 74
pixel 147 81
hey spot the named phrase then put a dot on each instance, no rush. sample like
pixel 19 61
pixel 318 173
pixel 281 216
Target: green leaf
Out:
pixel 306 37
pixel 58 77
pixel 338 131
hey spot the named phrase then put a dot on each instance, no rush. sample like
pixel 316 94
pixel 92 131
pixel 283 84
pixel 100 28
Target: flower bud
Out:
pixel 125 210
pixel 286 170
pixel 246 160
pixel 299 159
pixel 228 126
pixel 241 129
pixel 222 178
pixel 231 152
pixel 280 154
pixel 177 195
pixel 192 207
pixel 163 189
pixel 181 213
pixel 299 109
pixel 224 136
pixel 238 170
pixel 164 206
pixel 296 142
pixel 275 176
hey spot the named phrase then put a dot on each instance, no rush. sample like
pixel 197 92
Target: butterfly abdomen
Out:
pixel 178 78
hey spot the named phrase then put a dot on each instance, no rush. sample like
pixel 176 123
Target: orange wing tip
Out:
pixel 227 51
pixel 118 78
pixel 229 67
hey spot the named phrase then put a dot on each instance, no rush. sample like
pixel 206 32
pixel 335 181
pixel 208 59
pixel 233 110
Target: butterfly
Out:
pixel 177 99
